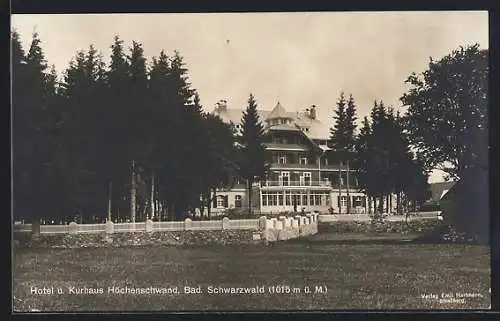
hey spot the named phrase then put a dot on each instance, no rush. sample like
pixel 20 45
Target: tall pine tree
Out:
pixel 252 153
pixel 342 136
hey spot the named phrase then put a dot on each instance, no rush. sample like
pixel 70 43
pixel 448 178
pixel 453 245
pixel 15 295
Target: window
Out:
pixel 285 178
pixel 280 199
pixel 311 200
pixel 221 201
pixel 271 199
pixel 296 199
pixel 343 201
pixel 288 198
pixel 317 200
pixel 237 201
pixel 304 199
pixel 282 159
pixel 307 179
pixel 303 161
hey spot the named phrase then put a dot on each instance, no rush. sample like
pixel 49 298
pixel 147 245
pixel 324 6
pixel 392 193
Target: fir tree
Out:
pixel 343 136
pixel 252 153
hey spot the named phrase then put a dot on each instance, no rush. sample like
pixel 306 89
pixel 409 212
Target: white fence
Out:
pixel 54 229
pixel 223 224
pixel 168 226
pixel 149 226
pixel 243 224
pixel 127 227
pixel 412 216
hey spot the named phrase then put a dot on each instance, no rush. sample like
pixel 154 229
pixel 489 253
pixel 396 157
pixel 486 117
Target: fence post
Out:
pixel 110 227
pixel 262 222
pixel 225 223
pixel 187 224
pixel 149 225
pixel 73 228
pixel 35 228
pixel 285 221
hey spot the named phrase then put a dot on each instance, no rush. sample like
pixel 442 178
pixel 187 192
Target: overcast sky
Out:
pixel 299 59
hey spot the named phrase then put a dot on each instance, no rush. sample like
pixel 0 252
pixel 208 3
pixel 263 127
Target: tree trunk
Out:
pixel 398 203
pixel 153 195
pixel 109 200
pixel 211 199
pixel 340 190
pixel 133 194
pixel 381 204
pixel 250 183
pixel 347 184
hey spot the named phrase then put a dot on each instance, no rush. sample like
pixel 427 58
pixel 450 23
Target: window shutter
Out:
pixel 214 201
pixel 226 203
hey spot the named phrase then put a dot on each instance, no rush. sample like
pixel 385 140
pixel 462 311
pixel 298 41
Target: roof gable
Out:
pixel 278 112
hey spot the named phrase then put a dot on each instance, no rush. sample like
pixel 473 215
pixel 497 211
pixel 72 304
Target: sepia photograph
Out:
pixel 271 161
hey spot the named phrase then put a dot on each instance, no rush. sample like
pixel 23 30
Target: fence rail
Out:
pixel 436 215
pixel 91 228
pixel 243 224
pixel 168 226
pixel 206 225
pixel 54 229
pixel 129 227
pixel 150 226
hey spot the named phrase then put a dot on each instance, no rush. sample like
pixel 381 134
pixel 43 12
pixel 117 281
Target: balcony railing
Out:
pixel 333 185
pixel 296 183
pixel 307 166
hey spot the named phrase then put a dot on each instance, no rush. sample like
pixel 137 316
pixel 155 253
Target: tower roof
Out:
pixel 278 113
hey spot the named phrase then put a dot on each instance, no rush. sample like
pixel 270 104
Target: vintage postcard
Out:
pixel 291 161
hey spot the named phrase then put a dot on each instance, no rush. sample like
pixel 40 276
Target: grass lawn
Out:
pixel 362 276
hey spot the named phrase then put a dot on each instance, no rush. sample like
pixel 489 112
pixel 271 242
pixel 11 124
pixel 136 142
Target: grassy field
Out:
pixel 361 276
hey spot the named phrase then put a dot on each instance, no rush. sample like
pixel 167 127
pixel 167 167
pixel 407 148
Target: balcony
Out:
pixel 287 147
pixel 306 166
pixel 295 184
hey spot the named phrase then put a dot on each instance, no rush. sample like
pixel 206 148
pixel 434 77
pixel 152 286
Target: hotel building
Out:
pixel 304 173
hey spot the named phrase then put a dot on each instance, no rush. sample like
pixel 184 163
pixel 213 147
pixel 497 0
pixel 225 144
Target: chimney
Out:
pixel 222 106
pixel 313 112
